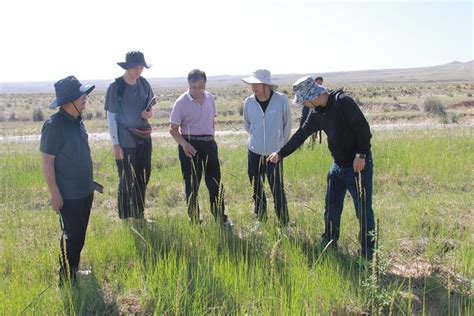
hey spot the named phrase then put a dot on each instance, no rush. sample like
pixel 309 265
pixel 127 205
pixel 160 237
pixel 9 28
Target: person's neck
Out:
pixel 198 98
pixel 131 80
pixel 71 110
pixel 265 95
pixel 324 101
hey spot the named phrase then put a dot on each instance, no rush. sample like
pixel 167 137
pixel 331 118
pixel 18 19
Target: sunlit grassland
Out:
pixel 381 102
pixel 423 200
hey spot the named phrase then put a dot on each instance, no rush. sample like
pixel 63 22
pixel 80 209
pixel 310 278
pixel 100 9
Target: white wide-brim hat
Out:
pixel 260 76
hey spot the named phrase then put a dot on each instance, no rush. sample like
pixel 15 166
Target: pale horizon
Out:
pixel 51 39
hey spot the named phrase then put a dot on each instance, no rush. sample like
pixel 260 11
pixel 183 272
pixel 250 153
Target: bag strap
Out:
pixel 337 95
pixel 120 87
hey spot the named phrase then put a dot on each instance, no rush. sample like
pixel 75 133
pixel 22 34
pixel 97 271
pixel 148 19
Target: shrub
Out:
pixel 434 105
pixel 241 110
pixel 450 118
pixel 38 115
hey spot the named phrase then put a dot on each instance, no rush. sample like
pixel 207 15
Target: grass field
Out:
pixel 423 200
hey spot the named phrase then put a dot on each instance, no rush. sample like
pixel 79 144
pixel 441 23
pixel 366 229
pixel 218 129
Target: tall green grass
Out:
pixel 423 192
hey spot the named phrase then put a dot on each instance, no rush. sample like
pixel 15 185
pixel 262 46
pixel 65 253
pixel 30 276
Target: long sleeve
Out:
pixel 113 131
pixel 358 124
pixel 309 127
pixel 286 121
pixel 246 118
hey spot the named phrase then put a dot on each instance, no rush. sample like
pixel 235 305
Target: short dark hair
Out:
pixel 196 75
pixel 318 78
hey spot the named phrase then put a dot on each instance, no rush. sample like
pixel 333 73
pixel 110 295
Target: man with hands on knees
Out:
pixel 128 103
pixel 348 135
pixel 67 168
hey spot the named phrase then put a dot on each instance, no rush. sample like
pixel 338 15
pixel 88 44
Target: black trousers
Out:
pixel 205 161
pixel 257 169
pixel 75 216
pixel 134 174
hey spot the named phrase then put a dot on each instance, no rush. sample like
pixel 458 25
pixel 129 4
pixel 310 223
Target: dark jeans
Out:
pixel 205 160
pixel 75 215
pixel 134 173
pixel 340 180
pixel 257 169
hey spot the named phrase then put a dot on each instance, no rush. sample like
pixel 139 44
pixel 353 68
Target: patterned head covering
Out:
pixel 307 89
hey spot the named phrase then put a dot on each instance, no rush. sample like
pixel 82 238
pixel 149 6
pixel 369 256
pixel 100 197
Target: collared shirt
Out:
pixel 194 118
pixel 65 137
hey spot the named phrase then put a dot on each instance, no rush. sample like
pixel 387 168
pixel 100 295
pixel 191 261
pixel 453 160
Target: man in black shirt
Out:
pixel 67 168
pixel 348 135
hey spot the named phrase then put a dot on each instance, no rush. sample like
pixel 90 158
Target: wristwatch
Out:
pixel 361 156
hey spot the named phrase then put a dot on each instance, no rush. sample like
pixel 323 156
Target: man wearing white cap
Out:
pixel 267 120
pixel 348 135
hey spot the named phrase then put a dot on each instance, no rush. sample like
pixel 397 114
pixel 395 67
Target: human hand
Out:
pixel 118 152
pixel 274 157
pixel 147 114
pixel 56 201
pixel 358 164
pixel 189 150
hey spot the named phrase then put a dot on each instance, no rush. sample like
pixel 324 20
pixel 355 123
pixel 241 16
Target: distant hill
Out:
pixel 454 71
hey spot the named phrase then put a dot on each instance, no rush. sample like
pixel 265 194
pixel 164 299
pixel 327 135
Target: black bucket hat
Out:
pixel 68 90
pixel 134 59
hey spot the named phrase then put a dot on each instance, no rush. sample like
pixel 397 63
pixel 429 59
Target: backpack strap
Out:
pixel 120 88
pixel 337 94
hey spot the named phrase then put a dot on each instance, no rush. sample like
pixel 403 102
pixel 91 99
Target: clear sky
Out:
pixel 50 39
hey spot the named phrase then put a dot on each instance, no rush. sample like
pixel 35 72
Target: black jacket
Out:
pixel 347 130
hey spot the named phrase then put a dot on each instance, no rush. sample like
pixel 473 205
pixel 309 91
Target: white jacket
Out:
pixel 268 131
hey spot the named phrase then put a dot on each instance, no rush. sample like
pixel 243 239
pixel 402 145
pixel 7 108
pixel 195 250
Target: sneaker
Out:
pixel 83 273
pixel 257 226
pixel 227 224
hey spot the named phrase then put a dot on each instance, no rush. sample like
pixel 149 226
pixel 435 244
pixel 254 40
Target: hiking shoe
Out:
pixel 257 226
pixel 227 224
pixel 83 273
